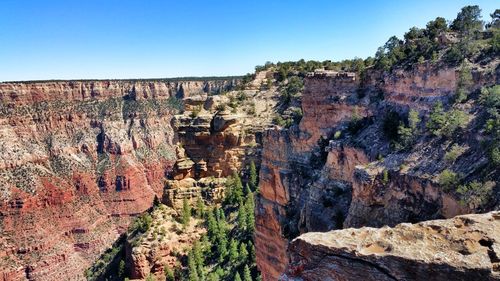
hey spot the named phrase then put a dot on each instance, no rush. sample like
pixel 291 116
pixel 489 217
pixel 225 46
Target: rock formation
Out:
pixel 463 248
pixel 78 160
pixel 338 169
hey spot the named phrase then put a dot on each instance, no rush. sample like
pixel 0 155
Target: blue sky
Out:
pixel 56 39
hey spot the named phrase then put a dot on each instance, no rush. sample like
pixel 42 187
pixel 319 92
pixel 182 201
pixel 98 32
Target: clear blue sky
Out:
pixel 66 39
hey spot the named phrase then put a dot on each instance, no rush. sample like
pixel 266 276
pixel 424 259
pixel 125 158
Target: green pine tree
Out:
pixel 254 180
pixel 247 276
pixel 237 192
pixel 243 252
pixel 200 208
pixel 251 250
pixel 198 254
pixel 247 190
pixel 250 206
pixel 233 251
pixel 186 213
pixel 242 218
pixel 121 269
pixel 237 277
pixel 212 226
pixel 192 267
pixel 169 274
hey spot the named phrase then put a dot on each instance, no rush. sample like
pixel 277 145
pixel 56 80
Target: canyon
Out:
pixel 80 159
pixel 371 173
pixel 318 176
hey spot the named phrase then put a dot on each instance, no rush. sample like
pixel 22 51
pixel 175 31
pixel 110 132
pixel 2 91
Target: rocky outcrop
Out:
pixel 338 168
pixel 292 199
pixel 462 248
pixel 217 136
pixel 78 160
pixel 161 245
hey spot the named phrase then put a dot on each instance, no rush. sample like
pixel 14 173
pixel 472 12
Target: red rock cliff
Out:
pixel 337 169
pixel 77 161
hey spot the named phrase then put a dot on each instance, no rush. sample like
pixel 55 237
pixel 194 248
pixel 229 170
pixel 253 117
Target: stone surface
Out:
pixel 321 176
pixel 462 248
pixel 148 253
pixel 78 160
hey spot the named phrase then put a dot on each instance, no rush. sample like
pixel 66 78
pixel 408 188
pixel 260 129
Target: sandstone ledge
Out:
pixel 463 248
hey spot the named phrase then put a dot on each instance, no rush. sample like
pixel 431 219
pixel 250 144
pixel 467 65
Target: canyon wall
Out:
pixel 338 169
pixel 78 160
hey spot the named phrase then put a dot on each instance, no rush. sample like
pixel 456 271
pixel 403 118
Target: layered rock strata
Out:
pixel 338 168
pixel 78 159
pixel 463 248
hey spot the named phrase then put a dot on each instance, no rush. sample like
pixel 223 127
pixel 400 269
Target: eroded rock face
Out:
pixel 78 160
pixel 215 141
pixel 161 245
pixel 337 169
pixel 462 248
pixel 292 199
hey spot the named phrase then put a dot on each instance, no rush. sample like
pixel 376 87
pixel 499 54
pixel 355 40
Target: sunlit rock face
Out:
pixel 337 169
pixel 79 159
pixel 463 248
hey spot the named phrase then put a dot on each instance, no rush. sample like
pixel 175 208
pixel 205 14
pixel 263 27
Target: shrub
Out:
pixel 442 123
pixel 241 96
pixel 464 84
pixel 278 120
pixel 495 155
pixel 490 97
pixel 475 194
pixel 385 177
pixel 356 122
pixel 455 152
pixel 448 179
pixel 337 135
pixel 407 134
pixel 220 107
pixel 195 112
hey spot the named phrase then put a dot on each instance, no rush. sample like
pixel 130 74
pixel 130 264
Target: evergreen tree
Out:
pixel 242 218
pixel 169 274
pixel 221 223
pixel 468 20
pixel 233 251
pixel 464 83
pixel 254 181
pixel 251 250
pixel 200 208
pixel 192 267
pixel 213 276
pixel 237 277
pixel 247 276
pixel 186 213
pixel 437 119
pixel 237 192
pixel 212 228
pixel 222 248
pixel 198 254
pixel 247 190
pixel 121 269
pixel 250 206
pixel 243 252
